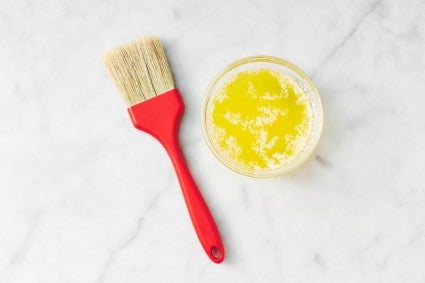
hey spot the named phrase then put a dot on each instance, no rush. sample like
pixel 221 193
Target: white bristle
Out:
pixel 140 70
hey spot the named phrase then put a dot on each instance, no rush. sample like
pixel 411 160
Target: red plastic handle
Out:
pixel 202 219
pixel 160 116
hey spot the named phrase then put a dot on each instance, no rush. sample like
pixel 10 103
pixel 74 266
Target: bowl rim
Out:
pixel 297 161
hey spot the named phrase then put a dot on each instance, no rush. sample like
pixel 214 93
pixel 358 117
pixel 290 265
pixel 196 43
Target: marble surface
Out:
pixel 86 198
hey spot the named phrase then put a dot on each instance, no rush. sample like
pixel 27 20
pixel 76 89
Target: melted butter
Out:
pixel 260 119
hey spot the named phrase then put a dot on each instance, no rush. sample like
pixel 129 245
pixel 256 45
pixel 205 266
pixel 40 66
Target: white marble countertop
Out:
pixel 84 197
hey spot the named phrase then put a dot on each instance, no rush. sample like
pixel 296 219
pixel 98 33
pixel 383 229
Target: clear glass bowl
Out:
pixel 286 68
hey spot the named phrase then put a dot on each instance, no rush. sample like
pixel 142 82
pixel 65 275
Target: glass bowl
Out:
pixel 285 68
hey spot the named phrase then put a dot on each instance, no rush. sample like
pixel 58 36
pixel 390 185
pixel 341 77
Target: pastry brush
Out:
pixel 142 75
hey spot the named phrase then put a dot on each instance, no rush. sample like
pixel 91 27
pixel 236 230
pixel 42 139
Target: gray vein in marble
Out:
pixel 410 242
pixel 139 225
pixel 192 142
pixel 19 256
pixel 347 37
pixel 415 238
pixel 323 161
pixel 244 197
pixel 318 260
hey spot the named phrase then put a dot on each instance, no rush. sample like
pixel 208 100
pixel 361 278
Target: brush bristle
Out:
pixel 140 70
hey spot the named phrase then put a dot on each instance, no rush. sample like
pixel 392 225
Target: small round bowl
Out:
pixel 285 68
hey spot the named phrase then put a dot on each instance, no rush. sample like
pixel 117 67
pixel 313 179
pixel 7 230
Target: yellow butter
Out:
pixel 260 119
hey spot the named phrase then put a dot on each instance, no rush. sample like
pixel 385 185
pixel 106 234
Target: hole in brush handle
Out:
pixel 216 255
